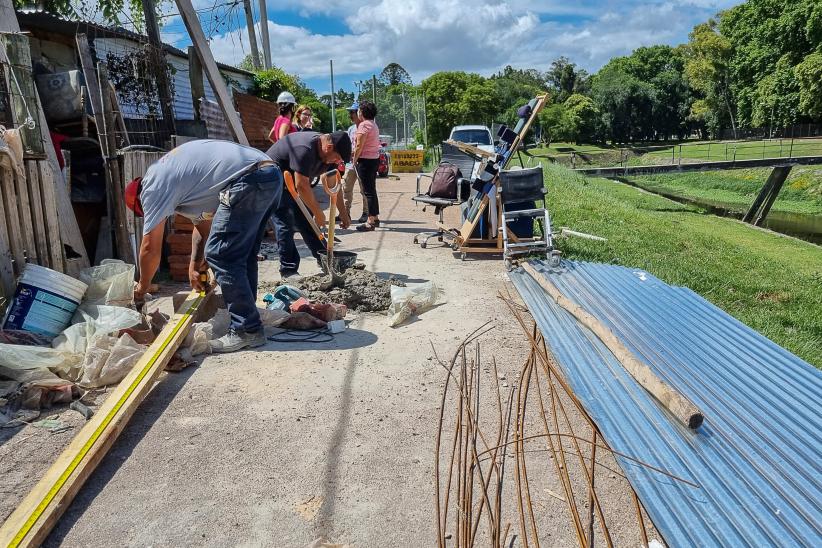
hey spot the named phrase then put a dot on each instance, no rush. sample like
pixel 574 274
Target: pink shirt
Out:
pixel 278 123
pixel 371 139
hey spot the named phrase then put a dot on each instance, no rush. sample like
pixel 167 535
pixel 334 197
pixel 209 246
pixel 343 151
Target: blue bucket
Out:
pixel 44 302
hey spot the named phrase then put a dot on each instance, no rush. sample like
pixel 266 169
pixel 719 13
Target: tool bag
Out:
pixel 445 180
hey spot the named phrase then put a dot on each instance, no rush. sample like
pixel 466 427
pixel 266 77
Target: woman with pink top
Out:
pixel 282 125
pixel 366 159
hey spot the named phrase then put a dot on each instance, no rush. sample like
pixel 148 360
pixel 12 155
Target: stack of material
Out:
pixel 755 458
pixel 179 245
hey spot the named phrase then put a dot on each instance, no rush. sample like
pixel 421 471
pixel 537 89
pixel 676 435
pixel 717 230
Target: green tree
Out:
pixel 809 78
pixel 111 10
pixel 769 38
pixel 625 104
pixel 564 78
pixel 454 98
pixel 394 74
pixel 581 118
pixel 707 67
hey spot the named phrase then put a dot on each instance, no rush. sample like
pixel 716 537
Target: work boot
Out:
pixel 235 340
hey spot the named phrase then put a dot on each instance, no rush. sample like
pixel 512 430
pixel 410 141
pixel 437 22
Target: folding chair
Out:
pixel 519 190
pixel 465 163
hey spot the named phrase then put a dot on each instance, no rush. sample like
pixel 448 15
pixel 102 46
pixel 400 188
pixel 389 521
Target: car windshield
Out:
pixel 478 136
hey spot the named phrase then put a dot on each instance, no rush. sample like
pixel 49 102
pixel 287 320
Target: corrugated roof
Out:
pixel 30 18
pixel 757 457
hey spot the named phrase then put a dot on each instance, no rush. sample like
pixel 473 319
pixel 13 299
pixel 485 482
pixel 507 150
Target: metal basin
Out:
pixel 343 260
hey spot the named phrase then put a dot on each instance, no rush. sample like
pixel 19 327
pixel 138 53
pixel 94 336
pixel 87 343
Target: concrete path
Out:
pixel 292 442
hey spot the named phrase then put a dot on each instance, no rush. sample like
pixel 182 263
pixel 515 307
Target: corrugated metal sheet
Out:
pixel 183 105
pixel 758 456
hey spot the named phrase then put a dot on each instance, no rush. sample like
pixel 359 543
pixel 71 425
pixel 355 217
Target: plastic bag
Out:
pixel 108 360
pixel 19 357
pixel 95 320
pixel 410 300
pixel 111 283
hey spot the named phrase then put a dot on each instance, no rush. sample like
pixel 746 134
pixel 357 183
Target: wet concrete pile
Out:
pixel 362 291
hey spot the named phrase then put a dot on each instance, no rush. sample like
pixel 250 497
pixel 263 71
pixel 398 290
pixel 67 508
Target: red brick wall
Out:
pixel 257 116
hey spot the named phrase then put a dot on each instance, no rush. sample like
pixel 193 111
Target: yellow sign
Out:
pixel 407 161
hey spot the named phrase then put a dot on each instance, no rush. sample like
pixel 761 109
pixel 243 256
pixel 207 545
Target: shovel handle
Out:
pixel 331 191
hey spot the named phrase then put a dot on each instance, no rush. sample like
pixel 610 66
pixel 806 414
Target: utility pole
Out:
pixel 157 57
pixel 425 122
pixel 252 34
pixel 264 33
pixel 404 122
pixel 374 87
pixel 333 99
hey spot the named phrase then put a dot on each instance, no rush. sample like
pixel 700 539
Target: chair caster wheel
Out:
pixel 423 245
pixel 462 256
pixel 416 241
pixel 554 259
pixel 439 238
pixel 508 265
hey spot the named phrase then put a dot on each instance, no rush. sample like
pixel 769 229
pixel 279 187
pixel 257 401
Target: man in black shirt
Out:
pixel 306 154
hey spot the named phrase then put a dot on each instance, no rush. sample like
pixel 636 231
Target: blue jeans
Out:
pixel 287 219
pixel 236 232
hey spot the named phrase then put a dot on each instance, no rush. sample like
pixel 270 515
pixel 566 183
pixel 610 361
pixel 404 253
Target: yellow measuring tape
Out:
pixel 78 458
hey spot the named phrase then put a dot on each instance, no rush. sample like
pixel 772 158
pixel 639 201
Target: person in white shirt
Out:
pixel 350 177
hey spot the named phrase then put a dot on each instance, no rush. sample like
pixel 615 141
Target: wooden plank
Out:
pixel 37 218
pixel 93 86
pixel 29 525
pixel 120 122
pixel 195 32
pixel 114 179
pixel 780 174
pixel 471 149
pixel 668 396
pixel 9 196
pixel 6 257
pixel 51 216
pixel 24 210
pixel 195 79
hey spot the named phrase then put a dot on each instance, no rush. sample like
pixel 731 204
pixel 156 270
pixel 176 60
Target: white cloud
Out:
pixel 425 36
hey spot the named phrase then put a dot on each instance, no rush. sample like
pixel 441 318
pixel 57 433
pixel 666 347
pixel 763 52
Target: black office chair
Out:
pixel 465 163
pixel 519 190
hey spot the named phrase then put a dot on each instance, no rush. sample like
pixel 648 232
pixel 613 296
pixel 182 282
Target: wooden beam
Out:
pixel 158 58
pixel 8 194
pixel 780 174
pixel 51 215
pixel 114 178
pixel 93 87
pixel 252 34
pixel 195 32
pixel 37 218
pixel 35 517
pixel 195 79
pixel 611 172
pixel 668 396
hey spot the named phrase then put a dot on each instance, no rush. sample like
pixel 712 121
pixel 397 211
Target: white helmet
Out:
pixel 287 98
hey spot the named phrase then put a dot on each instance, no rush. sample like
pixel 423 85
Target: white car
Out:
pixel 479 136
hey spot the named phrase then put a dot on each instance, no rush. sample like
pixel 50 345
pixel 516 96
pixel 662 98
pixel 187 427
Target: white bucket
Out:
pixel 44 302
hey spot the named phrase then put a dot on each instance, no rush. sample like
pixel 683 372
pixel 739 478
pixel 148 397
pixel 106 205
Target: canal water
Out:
pixel 799 225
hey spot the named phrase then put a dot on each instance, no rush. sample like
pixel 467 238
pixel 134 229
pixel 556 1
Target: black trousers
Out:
pixel 367 171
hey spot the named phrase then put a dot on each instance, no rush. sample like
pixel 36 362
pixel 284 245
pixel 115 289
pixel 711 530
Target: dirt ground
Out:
pixel 292 442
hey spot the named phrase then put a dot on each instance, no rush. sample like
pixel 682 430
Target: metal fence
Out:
pixel 402 119
pixel 796 131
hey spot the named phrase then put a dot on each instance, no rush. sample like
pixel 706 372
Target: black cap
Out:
pixel 342 144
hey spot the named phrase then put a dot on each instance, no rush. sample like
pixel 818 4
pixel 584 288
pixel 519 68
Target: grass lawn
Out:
pixel 770 282
pixel 802 192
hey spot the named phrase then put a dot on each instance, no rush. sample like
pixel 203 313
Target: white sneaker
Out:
pixel 234 340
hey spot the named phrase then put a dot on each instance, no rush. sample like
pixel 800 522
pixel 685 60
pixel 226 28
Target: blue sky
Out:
pixel 426 36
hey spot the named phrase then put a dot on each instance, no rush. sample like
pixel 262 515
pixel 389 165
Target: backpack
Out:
pixel 444 181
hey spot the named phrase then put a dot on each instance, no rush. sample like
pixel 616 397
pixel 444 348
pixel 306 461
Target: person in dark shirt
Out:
pixel 306 154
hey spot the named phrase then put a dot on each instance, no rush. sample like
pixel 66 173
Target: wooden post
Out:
pixel 195 78
pixel 252 34
pixel 69 229
pixel 670 398
pixel 158 59
pixel 775 181
pixel 114 179
pixel 781 174
pixel 264 35
pixel 195 31
pixel 93 87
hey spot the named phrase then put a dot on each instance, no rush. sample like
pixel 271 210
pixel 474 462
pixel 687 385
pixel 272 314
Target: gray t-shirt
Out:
pixel 188 180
